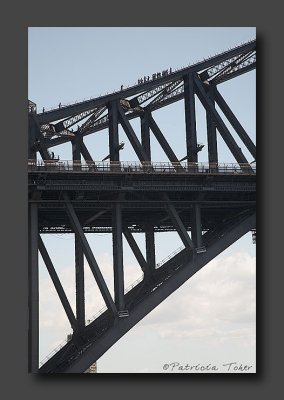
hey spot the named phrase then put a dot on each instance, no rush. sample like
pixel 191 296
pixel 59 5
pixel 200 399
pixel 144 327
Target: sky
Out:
pixel 211 318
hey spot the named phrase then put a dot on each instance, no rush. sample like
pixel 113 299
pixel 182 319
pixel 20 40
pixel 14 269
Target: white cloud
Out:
pixel 217 303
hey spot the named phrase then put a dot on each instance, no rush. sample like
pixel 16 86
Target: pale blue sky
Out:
pixel 70 64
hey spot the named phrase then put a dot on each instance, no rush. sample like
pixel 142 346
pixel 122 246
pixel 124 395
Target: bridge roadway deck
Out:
pixel 93 191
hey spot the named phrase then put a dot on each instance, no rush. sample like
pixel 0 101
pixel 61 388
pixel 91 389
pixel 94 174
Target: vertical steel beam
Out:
pixel 76 152
pixel 33 337
pixel 190 119
pixel 80 285
pixel 211 129
pixel 76 148
pixel 118 257
pixel 89 255
pixel 57 284
pixel 145 134
pixel 196 225
pixel 113 131
pixel 150 247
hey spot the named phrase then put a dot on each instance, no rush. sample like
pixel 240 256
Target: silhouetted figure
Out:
pixel 199 147
pixel 59 105
pixel 43 110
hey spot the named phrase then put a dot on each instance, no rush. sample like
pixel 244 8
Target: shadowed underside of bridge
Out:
pixel 210 205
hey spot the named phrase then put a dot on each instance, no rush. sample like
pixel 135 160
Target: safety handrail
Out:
pixel 137 167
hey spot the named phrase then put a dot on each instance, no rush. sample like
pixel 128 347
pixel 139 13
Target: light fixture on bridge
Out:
pixel 201 249
pixel 123 314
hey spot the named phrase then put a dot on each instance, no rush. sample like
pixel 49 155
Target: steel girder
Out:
pixel 77 356
pixel 217 211
pixel 155 94
pixel 77 108
pixel 121 302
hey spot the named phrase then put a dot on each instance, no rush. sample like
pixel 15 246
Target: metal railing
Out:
pixel 54 351
pixel 135 167
pixel 164 260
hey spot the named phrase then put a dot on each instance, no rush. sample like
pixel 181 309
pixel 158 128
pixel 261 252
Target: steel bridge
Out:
pixel 210 205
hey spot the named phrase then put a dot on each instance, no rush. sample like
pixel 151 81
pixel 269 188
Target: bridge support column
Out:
pixel 113 131
pixel 33 362
pixel 196 226
pixel 190 119
pixel 80 287
pixel 76 152
pixel 211 129
pixel 118 257
pixel 76 144
pixel 145 134
pixel 150 248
